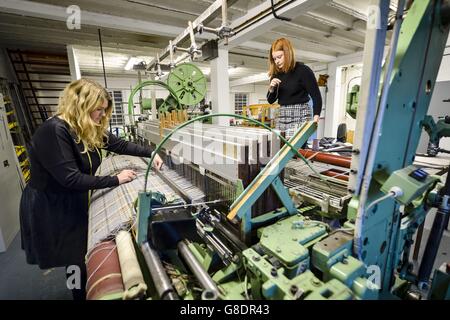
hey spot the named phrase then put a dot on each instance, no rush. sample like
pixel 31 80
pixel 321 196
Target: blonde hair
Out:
pixel 284 45
pixel 78 100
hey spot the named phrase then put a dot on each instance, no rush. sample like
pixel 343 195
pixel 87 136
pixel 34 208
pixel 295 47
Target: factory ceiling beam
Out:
pixel 39 44
pixel 310 55
pixel 127 50
pixel 334 34
pixel 263 76
pixel 357 9
pixel 235 8
pixel 334 21
pixel 24 41
pixel 52 12
pixel 209 14
pixel 91 19
pixel 250 79
pixel 260 19
pixel 314 44
pixel 65 35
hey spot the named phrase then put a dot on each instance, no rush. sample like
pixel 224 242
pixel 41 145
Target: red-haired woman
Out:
pixel 292 83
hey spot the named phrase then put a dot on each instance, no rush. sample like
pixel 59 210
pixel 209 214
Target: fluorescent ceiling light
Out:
pixel 131 62
pixel 233 70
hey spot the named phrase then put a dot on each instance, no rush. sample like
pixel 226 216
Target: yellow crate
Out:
pixel 19 150
pixel 24 163
pixel 350 134
pixel 260 112
pixel 26 175
pixel 12 125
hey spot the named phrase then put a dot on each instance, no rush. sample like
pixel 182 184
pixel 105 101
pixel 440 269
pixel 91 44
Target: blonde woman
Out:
pixel 292 84
pixel 65 153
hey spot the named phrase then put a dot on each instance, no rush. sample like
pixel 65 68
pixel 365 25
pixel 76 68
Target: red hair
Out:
pixel 284 45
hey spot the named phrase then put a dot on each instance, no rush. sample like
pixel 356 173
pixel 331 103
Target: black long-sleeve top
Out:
pixel 295 87
pixel 54 205
pixel 57 161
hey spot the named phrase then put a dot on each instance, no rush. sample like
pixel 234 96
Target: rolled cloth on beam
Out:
pixel 133 279
pixel 104 274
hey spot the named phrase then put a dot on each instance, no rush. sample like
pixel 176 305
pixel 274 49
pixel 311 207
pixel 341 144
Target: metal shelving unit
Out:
pixel 11 177
pixel 16 131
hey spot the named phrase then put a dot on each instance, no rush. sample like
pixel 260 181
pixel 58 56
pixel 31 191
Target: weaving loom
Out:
pixel 246 238
pixel 220 160
pixel 330 195
pixel 185 178
pixel 112 211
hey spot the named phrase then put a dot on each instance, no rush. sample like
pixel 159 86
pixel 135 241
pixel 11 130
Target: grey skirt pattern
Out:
pixel 291 117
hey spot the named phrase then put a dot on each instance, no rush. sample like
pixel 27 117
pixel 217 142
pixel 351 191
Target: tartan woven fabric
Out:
pixel 112 209
pixel 290 117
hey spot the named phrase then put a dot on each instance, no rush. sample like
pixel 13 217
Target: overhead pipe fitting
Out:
pixel 222 32
pixel 193 50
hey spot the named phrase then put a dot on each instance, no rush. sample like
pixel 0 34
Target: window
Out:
pixel 240 100
pixel 117 115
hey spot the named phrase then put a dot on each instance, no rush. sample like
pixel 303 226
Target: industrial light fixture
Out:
pixel 131 62
pixel 232 69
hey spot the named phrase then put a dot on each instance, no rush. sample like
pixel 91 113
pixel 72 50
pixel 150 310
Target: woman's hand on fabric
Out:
pixel 126 176
pixel 275 82
pixel 316 118
pixel 157 162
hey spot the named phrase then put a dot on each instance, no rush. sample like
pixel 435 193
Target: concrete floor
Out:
pixel 21 281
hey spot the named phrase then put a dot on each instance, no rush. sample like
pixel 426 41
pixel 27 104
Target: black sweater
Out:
pixel 58 164
pixel 295 87
pixel 54 205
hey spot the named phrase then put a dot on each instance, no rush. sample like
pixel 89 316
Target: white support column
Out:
pixel 333 98
pixel 444 70
pixel 220 87
pixel 75 72
pixel 334 91
pixel 153 97
pixel 332 112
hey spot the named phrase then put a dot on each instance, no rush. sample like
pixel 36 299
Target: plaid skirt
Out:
pixel 291 117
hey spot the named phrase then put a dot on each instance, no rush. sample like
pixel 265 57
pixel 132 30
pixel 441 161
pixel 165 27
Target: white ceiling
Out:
pixel 142 28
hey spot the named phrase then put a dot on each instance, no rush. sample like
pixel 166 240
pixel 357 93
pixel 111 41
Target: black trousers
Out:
pixel 78 294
